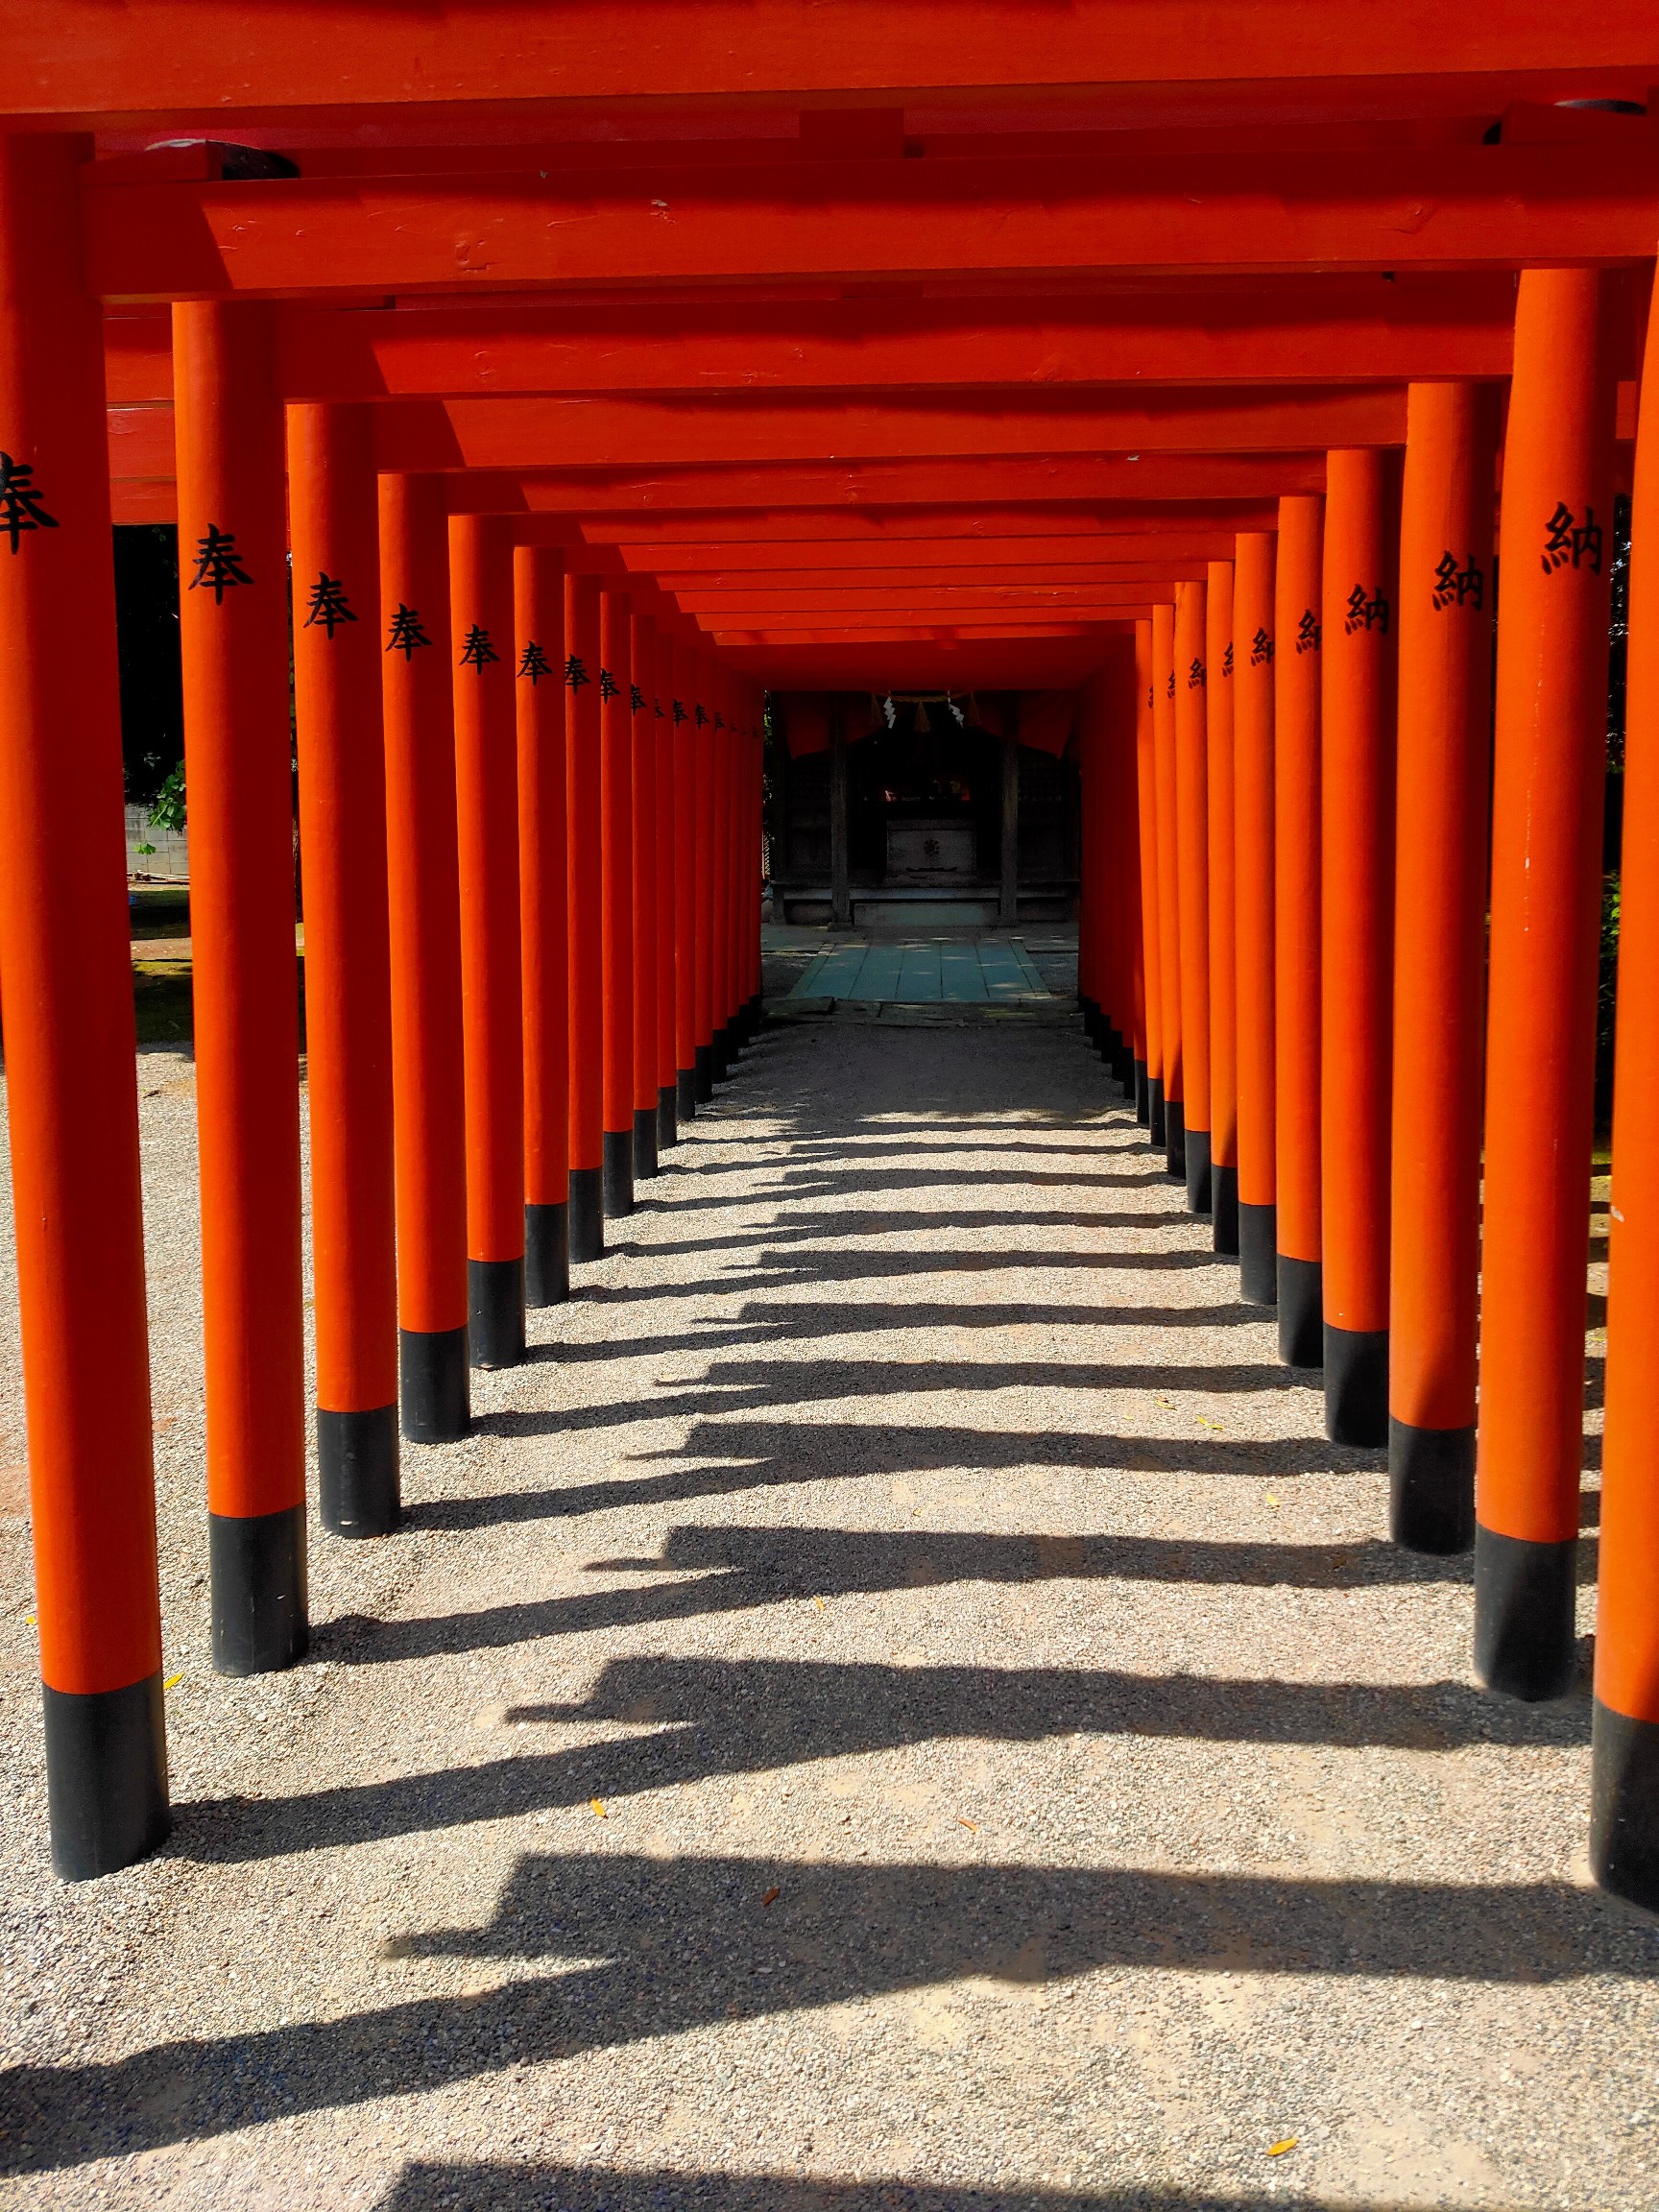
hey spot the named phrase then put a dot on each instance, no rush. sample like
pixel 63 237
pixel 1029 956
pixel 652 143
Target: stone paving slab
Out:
pixel 918 971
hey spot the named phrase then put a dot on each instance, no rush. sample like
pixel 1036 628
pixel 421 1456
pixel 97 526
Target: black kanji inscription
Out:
pixel 1366 611
pixel 478 652
pixel 406 633
pixel 1310 634
pixel 329 606
pixel 218 565
pixel 20 507
pixel 1567 540
pixel 535 664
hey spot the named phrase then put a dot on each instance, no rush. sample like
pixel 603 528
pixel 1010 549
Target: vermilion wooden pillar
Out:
pixel 585 921
pixel 1092 989
pixel 1624 1729
pixel 66 983
pixel 642 651
pixel 1133 953
pixel 1193 884
pixel 745 904
pixel 687 816
pixel 428 1110
pixel 1218 659
pixel 1297 648
pixel 1122 801
pixel 661 692
pixel 492 1010
pixel 722 1044
pixel 704 782
pixel 543 918
pixel 234 636
pixel 616 843
pixel 1169 946
pixel 1445 606
pixel 1554 557
pixel 1086 749
pixel 1253 803
pixel 756 724
pixel 746 910
pixel 1357 950
pixel 736 772
pixel 1149 1077
pixel 333 529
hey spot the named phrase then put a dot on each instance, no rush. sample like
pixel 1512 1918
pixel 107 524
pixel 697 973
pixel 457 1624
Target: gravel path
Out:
pixel 896 1706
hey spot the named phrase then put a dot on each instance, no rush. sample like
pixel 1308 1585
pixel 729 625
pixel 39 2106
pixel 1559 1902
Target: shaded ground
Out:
pixel 897 1705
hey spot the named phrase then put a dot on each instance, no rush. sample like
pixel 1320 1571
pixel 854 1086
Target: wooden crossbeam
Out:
pixel 1446 207
pixel 85 61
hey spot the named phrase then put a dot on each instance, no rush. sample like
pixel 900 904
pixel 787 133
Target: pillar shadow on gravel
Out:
pixel 733 1457
pixel 537 2188
pixel 580 1935
pixel 733 1718
pixel 738 1569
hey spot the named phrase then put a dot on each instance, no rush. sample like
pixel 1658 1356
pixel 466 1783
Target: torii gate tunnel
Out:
pixel 546 388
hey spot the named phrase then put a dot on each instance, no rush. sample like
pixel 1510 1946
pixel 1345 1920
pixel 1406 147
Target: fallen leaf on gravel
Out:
pixel 771 1898
pixel 819 1602
pixel 1271 1500
pixel 598 1805
pixel 1204 1422
pixel 1278 2149
pixel 961 1822
pixel 172 1681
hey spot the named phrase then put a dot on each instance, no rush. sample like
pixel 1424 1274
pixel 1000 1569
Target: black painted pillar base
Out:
pixel 1142 1095
pixel 1259 1254
pixel 644 1143
pixel 1625 1805
pixel 618 1174
pixel 1430 1488
pixel 106 1777
pixel 433 1385
pixel 1090 1014
pixel 495 1311
pixel 686 1095
pixel 1301 1312
pixel 357 1477
pixel 1155 1114
pixel 704 1075
pixel 1125 1070
pixel 724 1049
pixel 257 1569
pixel 546 1255
pixel 1224 1208
pixel 1175 1138
pixel 667 1117
pixel 1197 1147
pixel 586 1213
pixel 1356 1385
pixel 1523 1593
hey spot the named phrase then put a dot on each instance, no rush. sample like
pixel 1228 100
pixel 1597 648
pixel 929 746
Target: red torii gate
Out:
pixel 1262 403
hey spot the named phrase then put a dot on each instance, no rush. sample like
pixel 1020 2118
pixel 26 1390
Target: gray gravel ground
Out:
pixel 897 1705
